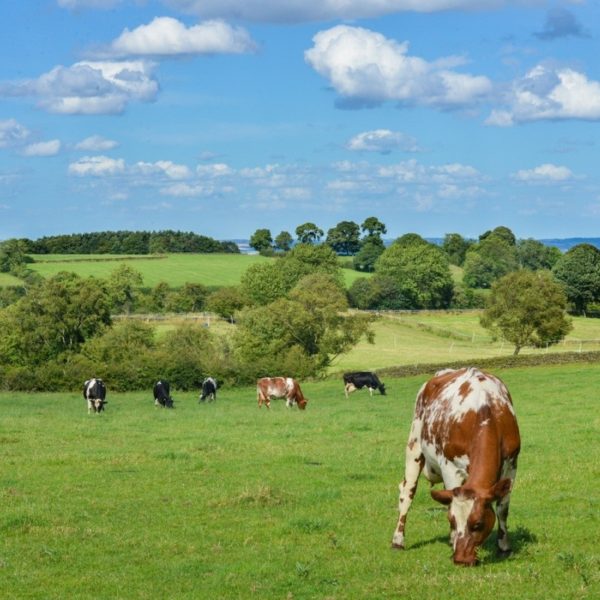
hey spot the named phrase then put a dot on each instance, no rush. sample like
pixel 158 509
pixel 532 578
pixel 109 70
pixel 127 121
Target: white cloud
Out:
pixel 214 170
pixel 544 173
pixel 185 190
pixel 49 148
pixel 74 4
pixel 89 87
pixel 548 93
pixel 12 133
pixel 170 169
pixel 166 36
pixel 383 141
pixel 97 166
pixel 96 143
pixel 295 11
pixel 410 171
pixel 366 68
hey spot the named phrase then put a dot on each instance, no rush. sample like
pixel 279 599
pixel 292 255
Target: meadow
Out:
pixel 226 501
pixel 211 270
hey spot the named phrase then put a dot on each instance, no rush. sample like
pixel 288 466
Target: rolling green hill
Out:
pixel 212 270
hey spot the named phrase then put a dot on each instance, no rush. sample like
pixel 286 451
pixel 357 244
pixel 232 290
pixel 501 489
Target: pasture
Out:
pixel 227 501
pixel 211 270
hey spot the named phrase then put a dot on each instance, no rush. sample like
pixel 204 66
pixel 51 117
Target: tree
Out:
pixel 344 238
pixel 122 287
pixel 227 301
pixel 579 271
pixel 534 255
pixel 300 334
pixel 189 298
pixel 55 316
pixel 420 269
pixel 381 293
pixel 371 249
pixel 489 260
pixel 501 232
pixel 261 240
pixel 308 233
pixel 283 242
pixel 527 308
pixel 13 255
pixel 373 227
pixel 455 247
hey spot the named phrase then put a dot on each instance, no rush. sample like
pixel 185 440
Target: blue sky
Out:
pixel 223 116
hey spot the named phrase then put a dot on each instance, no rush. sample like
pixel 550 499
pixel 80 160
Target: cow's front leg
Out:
pixel 413 467
pixel 502 507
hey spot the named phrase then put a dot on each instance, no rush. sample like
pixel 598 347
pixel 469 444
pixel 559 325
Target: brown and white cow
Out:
pixel 465 434
pixel 280 387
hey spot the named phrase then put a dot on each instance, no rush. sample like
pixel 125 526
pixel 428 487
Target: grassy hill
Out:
pixel 176 269
pixel 228 501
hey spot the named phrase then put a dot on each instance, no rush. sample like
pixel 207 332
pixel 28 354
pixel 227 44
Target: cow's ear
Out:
pixel 503 487
pixel 442 496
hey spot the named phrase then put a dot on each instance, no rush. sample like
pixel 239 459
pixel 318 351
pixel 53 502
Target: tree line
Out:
pixel 127 242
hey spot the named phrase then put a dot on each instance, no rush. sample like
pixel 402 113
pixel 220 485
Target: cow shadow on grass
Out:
pixel 520 538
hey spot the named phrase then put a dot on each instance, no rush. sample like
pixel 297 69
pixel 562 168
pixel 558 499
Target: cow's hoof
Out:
pixel 503 553
pixel 397 546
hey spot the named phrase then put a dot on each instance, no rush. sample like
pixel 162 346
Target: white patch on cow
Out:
pixel 438 468
pixel 460 509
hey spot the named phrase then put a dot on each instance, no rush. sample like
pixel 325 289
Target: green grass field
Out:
pixel 227 501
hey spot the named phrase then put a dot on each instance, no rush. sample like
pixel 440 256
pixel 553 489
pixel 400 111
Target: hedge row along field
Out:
pixel 224 500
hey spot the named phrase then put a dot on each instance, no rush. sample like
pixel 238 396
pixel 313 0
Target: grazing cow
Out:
pixel 209 390
pixel 465 434
pixel 361 379
pixel 94 391
pixel 280 387
pixel 162 394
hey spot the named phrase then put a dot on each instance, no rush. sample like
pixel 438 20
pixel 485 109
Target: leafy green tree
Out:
pixel 302 333
pixel 56 316
pixel 373 227
pixel 227 301
pixel 308 233
pixel 455 246
pixel 381 293
pixel 420 269
pixel 283 241
pixel 191 297
pixel 159 296
pixel 579 271
pixel 501 232
pixel 527 308
pixel 534 255
pixel 261 240
pixel 371 249
pixel 13 255
pixel 344 238
pixel 489 260
pixel 122 287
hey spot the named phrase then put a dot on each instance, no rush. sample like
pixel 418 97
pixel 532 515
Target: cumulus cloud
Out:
pixel 166 167
pixel 96 143
pixel 166 36
pixel 383 141
pixel 12 133
pixel 367 68
pixel 49 148
pixel 550 93
pixel 547 172
pixel 97 166
pixel 214 170
pixel 89 87
pixel 411 171
pixel 297 11
pixel 560 23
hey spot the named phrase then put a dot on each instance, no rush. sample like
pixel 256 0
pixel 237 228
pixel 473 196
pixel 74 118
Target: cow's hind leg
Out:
pixel 414 465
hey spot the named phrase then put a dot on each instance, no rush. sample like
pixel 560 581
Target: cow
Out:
pixel 465 434
pixel 209 390
pixel 280 387
pixel 361 379
pixel 94 391
pixel 162 394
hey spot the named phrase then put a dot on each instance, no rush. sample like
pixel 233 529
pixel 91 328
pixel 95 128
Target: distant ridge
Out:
pixel 565 244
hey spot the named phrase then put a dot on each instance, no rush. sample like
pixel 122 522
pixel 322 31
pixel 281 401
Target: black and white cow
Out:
pixel 209 390
pixel 360 379
pixel 94 391
pixel 162 394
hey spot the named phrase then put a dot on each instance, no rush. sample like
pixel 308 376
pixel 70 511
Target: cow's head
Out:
pixel 98 404
pixel 302 403
pixel 471 517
